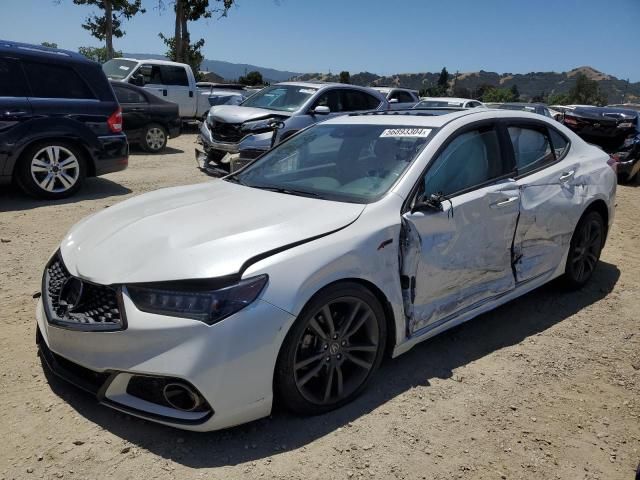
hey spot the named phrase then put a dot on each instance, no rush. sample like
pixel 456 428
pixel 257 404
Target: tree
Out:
pixel 49 44
pixel 443 79
pixel 251 79
pixel 515 92
pixel 345 77
pixel 193 56
pixel 559 99
pixel 189 11
pixel 97 54
pixel 586 92
pixel 498 95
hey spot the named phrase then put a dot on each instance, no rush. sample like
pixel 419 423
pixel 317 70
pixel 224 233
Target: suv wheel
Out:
pixel 51 170
pixel 154 139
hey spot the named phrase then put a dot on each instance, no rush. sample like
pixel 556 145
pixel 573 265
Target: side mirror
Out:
pixel 137 80
pixel 321 110
pixel 433 203
pixel 393 100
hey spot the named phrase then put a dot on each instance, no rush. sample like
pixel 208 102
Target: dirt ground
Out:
pixel 546 387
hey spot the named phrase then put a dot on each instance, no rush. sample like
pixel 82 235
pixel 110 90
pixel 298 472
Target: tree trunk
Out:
pixel 108 14
pixel 177 36
pixel 185 38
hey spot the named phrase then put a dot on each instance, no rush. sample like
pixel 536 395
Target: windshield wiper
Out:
pixel 288 191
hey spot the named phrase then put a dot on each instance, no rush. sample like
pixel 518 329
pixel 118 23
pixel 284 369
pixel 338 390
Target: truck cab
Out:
pixel 170 81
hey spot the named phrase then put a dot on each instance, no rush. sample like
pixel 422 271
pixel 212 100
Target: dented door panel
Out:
pixel 549 212
pixel 459 257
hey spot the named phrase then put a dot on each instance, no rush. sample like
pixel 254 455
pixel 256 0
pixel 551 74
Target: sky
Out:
pixel 383 37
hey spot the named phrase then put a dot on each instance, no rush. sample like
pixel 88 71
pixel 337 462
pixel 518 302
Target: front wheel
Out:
pixel 154 138
pixel 584 250
pixel 332 350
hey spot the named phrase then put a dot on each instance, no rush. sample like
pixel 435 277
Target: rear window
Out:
pixel 56 81
pixel 174 76
pixel 127 95
pixel 12 81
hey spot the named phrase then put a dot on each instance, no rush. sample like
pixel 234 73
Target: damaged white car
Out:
pixel 197 306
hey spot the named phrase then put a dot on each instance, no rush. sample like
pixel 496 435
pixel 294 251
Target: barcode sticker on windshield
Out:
pixel 309 91
pixel 406 132
pixel 123 67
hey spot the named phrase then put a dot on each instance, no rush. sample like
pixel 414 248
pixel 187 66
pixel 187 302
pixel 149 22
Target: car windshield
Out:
pixel 437 104
pixel 349 163
pixel 287 98
pixel 118 68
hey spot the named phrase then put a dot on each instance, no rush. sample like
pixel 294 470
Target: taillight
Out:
pixel 115 121
pixel 613 162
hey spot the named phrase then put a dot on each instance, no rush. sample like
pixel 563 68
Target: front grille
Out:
pixel 226 132
pixel 74 303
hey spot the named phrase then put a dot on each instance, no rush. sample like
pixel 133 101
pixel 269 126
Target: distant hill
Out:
pixel 228 70
pixel 529 84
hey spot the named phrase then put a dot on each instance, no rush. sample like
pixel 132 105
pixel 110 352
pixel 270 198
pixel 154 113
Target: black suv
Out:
pixel 59 120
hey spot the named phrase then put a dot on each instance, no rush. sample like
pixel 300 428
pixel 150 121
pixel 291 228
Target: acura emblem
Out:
pixel 70 294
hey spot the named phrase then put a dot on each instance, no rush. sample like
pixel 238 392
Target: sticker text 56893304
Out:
pixel 406 132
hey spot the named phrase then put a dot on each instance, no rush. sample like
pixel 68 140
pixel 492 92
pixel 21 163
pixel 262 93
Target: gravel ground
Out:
pixel 544 387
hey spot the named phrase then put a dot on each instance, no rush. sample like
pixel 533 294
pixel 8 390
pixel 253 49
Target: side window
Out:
pixel 151 74
pixel 353 100
pixel 472 158
pixel 531 148
pixel 559 143
pixel 55 81
pixel 331 99
pixel 126 95
pixel 174 76
pixel 403 97
pixel 12 81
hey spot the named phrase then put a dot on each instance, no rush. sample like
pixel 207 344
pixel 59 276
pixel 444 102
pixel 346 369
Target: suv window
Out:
pixel 126 95
pixel 531 148
pixel 353 100
pixel 174 75
pixel 402 96
pixel 55 81
pixel 12 81
pixel 470 159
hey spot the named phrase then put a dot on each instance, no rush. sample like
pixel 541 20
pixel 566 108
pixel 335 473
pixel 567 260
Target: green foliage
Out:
pixel 193 57
pixel 345 77
pixel 559 99
pixel 515 92
pixel 49 44
pixel 498 95
pixel 586 92
pixel 97 54
pixel 121 10
pixel 443 79
pixel 251 79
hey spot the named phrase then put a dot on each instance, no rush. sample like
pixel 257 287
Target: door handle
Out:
pixel 505 202
pixel 164 92
pixel 566 175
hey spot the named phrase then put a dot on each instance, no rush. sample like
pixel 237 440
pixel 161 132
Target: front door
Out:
pixel 459 257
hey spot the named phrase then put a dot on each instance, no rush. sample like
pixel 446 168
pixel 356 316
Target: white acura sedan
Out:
pixel 289 280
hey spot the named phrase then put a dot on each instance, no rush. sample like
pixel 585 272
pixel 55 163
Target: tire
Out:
pixel 154 138
pixel 319 370
pixel 51 169
pixel 584 250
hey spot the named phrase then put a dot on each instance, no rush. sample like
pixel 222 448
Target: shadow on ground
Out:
pixel 13 199
pixel 135 151
pixel 435 358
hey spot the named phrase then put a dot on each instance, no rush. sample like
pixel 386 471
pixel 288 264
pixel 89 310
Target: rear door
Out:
pixel 15 108
pixel 135 109
pixel 179 91
pixel 548 178
pixel 459 256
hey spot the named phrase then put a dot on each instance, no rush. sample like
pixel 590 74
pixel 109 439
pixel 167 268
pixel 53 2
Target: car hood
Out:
pixel 201 231
pixel 240 114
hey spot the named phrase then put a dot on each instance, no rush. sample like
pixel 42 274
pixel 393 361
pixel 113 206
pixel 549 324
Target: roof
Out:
pixel 447 99
pixel 152 61
pixel 388 89
pixel 309 84
pixel 39 50
pixel 415 118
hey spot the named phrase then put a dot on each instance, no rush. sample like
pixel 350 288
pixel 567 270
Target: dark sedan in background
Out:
pixel 607 127
pixel 148 120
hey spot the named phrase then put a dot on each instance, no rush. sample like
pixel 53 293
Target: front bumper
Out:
pixel 230 363
pixel 629 168
pixel 257 142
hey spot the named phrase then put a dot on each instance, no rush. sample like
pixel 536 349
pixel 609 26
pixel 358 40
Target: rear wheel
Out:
pixel 154 138
pixel 332 350
pixel 584 250
pixel 51 170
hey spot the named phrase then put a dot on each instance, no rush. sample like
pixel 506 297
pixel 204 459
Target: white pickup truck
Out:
pixel 170 81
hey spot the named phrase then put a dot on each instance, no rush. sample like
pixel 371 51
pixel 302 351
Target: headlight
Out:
pixel 207 306
pixel 258 125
